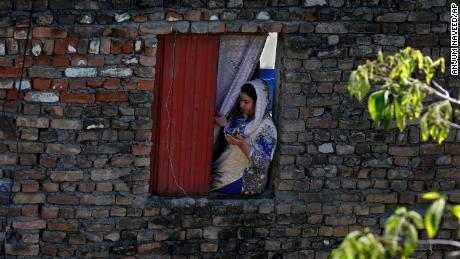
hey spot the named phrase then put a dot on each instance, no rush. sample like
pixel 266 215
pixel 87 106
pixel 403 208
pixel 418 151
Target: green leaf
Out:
pixel 380 57
pixel 376 105
pixel 416 218
pixel 431 196
pixel 424 127
pixel 349 253
pixel 456 211
pixel 400 117
pixel 400 211
pixel 433 217
pixel 419 58
pixel 388 115
pixel 411 241
pixel 434 131
pixel 443 65
pixel 443 133
pixel 390 225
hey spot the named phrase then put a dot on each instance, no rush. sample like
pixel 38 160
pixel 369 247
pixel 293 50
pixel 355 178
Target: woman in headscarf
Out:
pixel 251 136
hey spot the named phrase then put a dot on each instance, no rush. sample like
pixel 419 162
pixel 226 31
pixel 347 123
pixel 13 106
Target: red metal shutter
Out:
pixel 183 114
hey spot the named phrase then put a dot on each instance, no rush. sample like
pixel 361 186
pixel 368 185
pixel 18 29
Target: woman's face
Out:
pixel 247 105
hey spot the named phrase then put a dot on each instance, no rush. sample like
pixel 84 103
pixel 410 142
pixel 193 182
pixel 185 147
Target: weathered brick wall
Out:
pixel 81 186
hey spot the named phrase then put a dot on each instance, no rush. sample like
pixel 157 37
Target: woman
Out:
pixel 251 136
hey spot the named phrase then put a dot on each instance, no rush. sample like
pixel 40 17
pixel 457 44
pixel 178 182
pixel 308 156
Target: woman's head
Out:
pixel 248 100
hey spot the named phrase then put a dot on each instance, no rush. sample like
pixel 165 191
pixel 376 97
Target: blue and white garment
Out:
pixel 233 172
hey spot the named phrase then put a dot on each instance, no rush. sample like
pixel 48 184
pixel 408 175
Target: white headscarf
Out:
pixel 261 106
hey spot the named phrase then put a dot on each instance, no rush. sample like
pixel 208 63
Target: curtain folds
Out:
pixel 238 57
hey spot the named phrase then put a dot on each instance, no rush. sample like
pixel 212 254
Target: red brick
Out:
pixel 140 18
pixel 77 98
pixel 20 33
pixel 59 84
pixel 44 61
pixel 28 198
pixel 115 47
pixel 125 33
pixel 44 32
pixel 79 61
pixel 275 27
pixel 60 61
pixel 50 187
pixel 45 72
pixel 127 47
pixel 63 226
pixel 10 72
pixel 78 83
pixel 112 84
pixel 147 29
pixel 32 123
pixel 55 111
pixel 130 85
pixel 121 161
pixel 23 249
pixel 6 62
pixel 150 51
pixel 63 199
pixel 19 62
pixel 14 95
pixel 146 84
pixel 173 16
pixel 216 28
pixel 147 61
pixel 112 97
pixel 95 61
pixel 311 17
pixel 60 47
pixel 105 46
pixel 148 248
pixel 86 186
pixel 41 84
pixel 66 176
pixel 49 250
pixel 249 27
pixel 48 161
pixel 89 199
pixel 141 150
pixel 321 123
pixel 205 15
pixel 35 224
pixel 95 83
pixel 29 187
pixel 29 211
pixel 49 213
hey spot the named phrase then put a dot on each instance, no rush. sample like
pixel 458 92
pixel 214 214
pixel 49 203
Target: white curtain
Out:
pixel 238 57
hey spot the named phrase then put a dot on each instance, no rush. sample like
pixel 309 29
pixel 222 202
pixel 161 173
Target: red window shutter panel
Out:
pixel 183 114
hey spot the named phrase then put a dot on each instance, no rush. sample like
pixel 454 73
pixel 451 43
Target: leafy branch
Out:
pixel 403 81
pixel 401 233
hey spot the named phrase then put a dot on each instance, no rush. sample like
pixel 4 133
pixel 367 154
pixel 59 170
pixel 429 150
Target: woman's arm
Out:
pixel 239 141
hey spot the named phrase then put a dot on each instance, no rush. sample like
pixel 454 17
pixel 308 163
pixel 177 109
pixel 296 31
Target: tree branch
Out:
pixel 436 92
pixel 439 242
pixel 451 124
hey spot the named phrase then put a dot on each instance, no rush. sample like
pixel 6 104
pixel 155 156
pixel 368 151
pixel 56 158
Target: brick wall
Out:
pixel 84 129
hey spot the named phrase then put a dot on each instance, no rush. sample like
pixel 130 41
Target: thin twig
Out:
pixel 441 88
pixel 439 242
pixel 439 94
pixel 451 124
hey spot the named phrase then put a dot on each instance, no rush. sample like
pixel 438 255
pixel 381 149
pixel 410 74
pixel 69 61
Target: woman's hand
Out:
pixel 221 120
pixel 238 140
pixel 234 140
